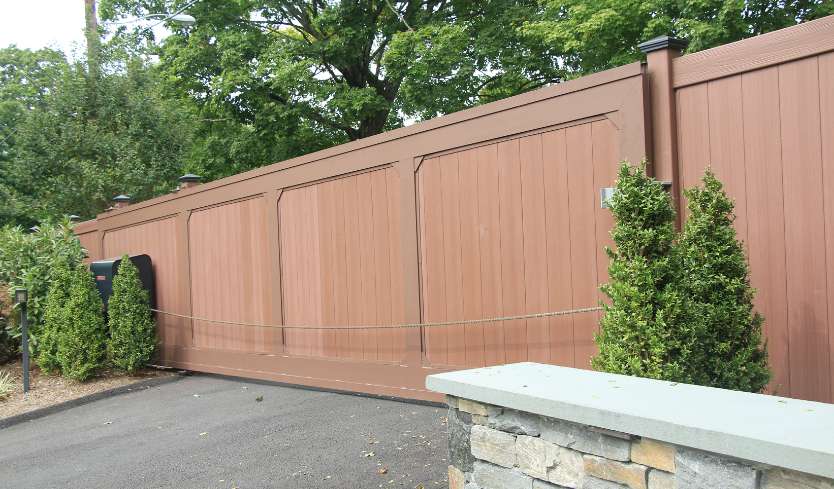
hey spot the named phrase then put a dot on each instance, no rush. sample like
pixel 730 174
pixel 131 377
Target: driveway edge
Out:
pixel 80 401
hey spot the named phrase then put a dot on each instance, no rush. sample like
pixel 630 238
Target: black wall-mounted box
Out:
pixel 105 270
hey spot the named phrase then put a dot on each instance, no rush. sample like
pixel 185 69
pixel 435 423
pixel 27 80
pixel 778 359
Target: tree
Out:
pixel 72 150
pixel 305 75
pixel 724 346
pixel 639 331
pixel 132 329
pixel 55 318
pixel 602 34
pixel 81 345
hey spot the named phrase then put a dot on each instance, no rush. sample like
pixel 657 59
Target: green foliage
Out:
pixel 81 345
pixel 7 384
pixel 132 330
pixel 594 36
pixel 725 347
pixel 75 145
pixel 296 76
pixel 30 260
pixel 681 304
pixel 56 318
pixel 638 330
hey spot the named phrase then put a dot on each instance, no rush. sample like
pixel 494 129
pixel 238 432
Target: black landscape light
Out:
pixel 21 297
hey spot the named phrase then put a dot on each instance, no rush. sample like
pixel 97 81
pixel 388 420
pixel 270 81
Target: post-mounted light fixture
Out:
pixel 21 297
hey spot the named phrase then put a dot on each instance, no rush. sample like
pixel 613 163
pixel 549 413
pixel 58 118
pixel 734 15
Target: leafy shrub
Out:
pixel 56 319
pixel 81 344
pixel 637 333
pixel 8 346
pixel 724 347
pixel 29 260
pixel 7 384
pixel 132 332
pixel 681 304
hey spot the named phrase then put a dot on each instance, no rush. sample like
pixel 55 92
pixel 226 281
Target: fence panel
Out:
pixel 513 228
pixel 158 240
pixel 339 252
pixel 509 223
pixel 759 113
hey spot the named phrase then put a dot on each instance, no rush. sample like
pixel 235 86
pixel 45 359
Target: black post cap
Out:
pixel 663 42
pixel 190 178
pixel 121 198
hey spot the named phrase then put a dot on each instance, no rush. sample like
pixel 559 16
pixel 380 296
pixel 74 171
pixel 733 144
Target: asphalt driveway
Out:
pixel 209 432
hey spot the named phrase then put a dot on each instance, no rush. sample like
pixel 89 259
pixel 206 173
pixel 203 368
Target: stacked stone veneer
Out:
pixel 491 447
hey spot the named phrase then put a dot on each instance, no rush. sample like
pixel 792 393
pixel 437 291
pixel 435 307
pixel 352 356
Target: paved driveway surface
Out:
pixel 210 432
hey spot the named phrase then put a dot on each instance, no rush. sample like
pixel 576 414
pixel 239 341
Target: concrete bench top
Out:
pixel 773 430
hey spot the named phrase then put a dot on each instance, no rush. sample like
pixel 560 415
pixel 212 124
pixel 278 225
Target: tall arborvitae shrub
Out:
pixel 638 329
pixel 132 332
pixel 81 345
pixel 55 319
pixel 724 344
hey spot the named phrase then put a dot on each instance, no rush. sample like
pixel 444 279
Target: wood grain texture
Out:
pixel 235 287
pixel 534 234
pixel 764 133
pixel 558 228
pixel 826 80
pixel 337 250
pixel 489 242
pixel 726 154
pixel 804 229
pixel 500 236
pixel 766 215
pixel 584 199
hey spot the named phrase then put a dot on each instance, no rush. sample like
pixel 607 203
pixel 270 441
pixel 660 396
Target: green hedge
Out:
pixel 681 303
pixel 82 341
pixel 132 330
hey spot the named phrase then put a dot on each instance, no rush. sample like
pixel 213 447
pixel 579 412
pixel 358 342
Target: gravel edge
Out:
pixel 80 401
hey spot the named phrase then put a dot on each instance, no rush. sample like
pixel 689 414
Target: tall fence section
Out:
pixel 370 265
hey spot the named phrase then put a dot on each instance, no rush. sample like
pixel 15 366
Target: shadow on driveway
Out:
pixel 210 432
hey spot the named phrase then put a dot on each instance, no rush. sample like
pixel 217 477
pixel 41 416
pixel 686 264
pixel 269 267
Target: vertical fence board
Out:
pixel 450 224
pixel 805 229
pixel 382 264
pixel 693 136
pixel 433 269
pixel 399 337
pixel 367 277
pixel 559 275
pixel 535 246
pixel 328 211
pixel 471 256
pixel 512 249
pixel 726 137
pixel 826 79
pixel 765 214
pixel 605 175
pixel 490 245
pixel 583 200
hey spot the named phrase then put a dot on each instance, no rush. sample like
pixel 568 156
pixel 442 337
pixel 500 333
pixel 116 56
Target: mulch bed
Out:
pixel 48 390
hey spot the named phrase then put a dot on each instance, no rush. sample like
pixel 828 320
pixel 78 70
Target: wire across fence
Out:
pixel 460 322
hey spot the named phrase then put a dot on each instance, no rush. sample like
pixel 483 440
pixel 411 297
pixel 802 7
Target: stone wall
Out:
pixel 492 447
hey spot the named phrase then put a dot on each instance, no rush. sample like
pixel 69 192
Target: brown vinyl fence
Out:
pixel 495 211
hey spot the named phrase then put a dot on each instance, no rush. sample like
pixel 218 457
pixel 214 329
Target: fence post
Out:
pixel 411 277
pixel 660 54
